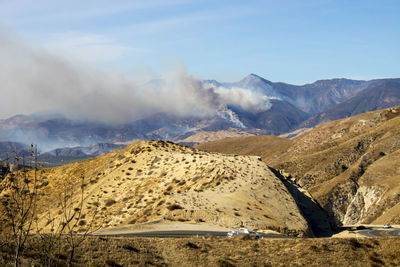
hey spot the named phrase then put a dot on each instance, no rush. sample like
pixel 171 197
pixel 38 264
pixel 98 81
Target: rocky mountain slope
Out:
pixel 310 98
pixel 8 149
pixel 59 156
pixel 350 166
pixel 380 95
pixel 282 117
pixel 160 182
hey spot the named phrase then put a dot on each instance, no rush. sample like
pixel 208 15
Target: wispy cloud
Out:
pixel 27 11
pixel 120 28
pixel 89 47
pixel 209 17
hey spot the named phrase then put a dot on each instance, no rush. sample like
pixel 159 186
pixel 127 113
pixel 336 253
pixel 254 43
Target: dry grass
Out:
pixel 213 251
pixel 207 136
pixel 264 146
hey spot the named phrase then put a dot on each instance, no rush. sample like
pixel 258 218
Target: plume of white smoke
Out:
pixel 228 114
pixel 249 100
pixel 33 80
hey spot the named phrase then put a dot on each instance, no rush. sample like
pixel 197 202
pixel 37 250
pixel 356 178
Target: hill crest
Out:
pixel 163 182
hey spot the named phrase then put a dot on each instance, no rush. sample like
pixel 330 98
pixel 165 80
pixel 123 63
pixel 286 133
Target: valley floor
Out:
pixel 223 251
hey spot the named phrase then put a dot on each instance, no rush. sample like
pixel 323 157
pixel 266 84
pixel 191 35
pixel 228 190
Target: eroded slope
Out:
pixel 350 166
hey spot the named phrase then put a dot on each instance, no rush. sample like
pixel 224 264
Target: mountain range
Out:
pixel 9 150
pixel 291 107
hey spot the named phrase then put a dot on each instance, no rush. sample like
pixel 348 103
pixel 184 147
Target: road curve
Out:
pixel 380 232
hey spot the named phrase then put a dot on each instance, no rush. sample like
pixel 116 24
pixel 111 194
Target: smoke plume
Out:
pixel 34 80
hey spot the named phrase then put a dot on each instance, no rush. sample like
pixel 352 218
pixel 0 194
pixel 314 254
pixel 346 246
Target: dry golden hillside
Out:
pixel 266 146
pixel 162 182
pixel 351 166
pixel 207 136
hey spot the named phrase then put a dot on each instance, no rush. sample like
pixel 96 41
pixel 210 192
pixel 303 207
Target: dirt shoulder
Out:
pixel 138 228
pixel 163 226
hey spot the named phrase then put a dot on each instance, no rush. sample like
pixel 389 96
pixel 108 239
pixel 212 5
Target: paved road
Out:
pixel 185 233
pixel 380 231
pixel 373 231
pixel 369 231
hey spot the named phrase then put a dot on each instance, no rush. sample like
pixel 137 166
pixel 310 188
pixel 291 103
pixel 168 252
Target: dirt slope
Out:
pixel 163 182
pixel 200 136
pixel 267 146
pixel 350 166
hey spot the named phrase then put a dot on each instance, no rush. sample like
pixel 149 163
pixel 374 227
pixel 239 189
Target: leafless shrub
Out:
pixel 71 217
pixel 19 203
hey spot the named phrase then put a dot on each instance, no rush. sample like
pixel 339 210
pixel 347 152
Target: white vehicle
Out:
pixel 387 226
pixel 243 232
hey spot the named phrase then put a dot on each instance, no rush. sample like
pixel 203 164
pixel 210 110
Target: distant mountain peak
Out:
pixel 254 75
pixel 212 82
pixel 254 80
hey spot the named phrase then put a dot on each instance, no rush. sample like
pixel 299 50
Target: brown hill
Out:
pixel 158 182
pixel 200 136
pixel 265 146
pixel 350 166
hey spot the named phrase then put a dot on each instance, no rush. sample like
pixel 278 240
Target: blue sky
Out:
pixel 290 41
